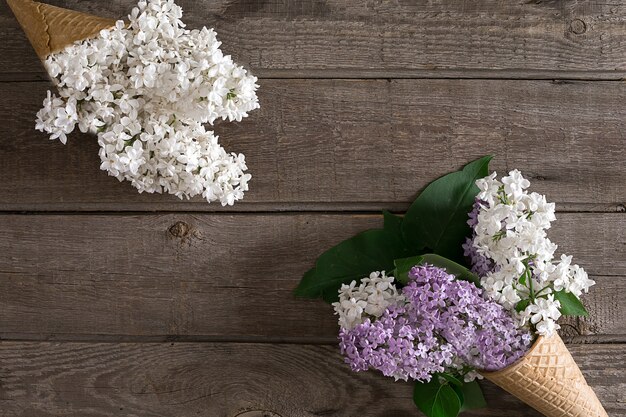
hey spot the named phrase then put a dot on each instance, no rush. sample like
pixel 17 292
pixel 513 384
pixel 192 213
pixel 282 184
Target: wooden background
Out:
pixel 119 304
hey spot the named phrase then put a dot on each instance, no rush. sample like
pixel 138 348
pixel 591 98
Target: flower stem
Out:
pixel 529 278
pixel 542 290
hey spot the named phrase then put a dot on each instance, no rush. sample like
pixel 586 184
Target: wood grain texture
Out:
pixel 224 276
pixel 362 36
pixel 353 145
pixel 214 379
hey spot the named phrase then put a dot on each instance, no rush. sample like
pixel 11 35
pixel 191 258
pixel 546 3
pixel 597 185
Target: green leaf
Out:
pixel 451 379
pixel 452 267
pixel 459 393
pixel 570 304
pixel 392 222
pixel 473 396
pixel 353 259
pixel 436 400
pixel 521 306
pixel 437 218
pixel 403 267
pixel 392 225
pixel 442 212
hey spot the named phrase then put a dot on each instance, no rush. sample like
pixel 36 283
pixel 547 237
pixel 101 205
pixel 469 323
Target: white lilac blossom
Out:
pixel 367 300
pixel 439 325
pixel 146 88
pixel 510 251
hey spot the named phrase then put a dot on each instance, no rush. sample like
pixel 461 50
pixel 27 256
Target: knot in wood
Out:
pixel 179 229
pixel 578 26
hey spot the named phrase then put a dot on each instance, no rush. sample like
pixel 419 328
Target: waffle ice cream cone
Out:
pixel 50 29
pixel 548 379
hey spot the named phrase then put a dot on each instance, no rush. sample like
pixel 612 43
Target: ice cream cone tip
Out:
pixel 548 379
pixel 50 29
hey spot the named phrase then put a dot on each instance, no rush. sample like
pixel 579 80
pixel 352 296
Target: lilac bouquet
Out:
pixel 475 291
pixel 146 88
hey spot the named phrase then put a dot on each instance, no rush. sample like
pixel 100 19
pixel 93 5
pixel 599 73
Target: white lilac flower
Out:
pixel 511 252
pixel 146 88
pixel 543 313
pixel 369 299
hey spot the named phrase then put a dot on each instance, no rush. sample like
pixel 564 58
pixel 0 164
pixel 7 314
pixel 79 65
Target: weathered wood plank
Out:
pixel 313 143
pixel 110 379
pixel 223 277
pixel 387 36
pixel 148 309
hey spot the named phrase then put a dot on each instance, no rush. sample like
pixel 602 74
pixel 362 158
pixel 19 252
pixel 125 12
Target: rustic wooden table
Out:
pixel 119 304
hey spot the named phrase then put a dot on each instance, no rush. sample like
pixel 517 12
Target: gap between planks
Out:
pixel 400 73
pixel 201 207
pixel 322 341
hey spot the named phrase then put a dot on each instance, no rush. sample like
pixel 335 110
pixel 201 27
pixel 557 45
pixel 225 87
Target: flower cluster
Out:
pixel 440 324
pixel 510 251
pixel 369 300
pixel 146 88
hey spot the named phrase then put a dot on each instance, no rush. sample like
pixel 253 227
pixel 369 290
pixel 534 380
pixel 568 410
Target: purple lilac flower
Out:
pixel 445 326
pixel 481 265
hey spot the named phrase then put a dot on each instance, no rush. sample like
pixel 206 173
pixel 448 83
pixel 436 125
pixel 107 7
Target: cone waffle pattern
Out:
pixel 548 379
pixel 50 29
